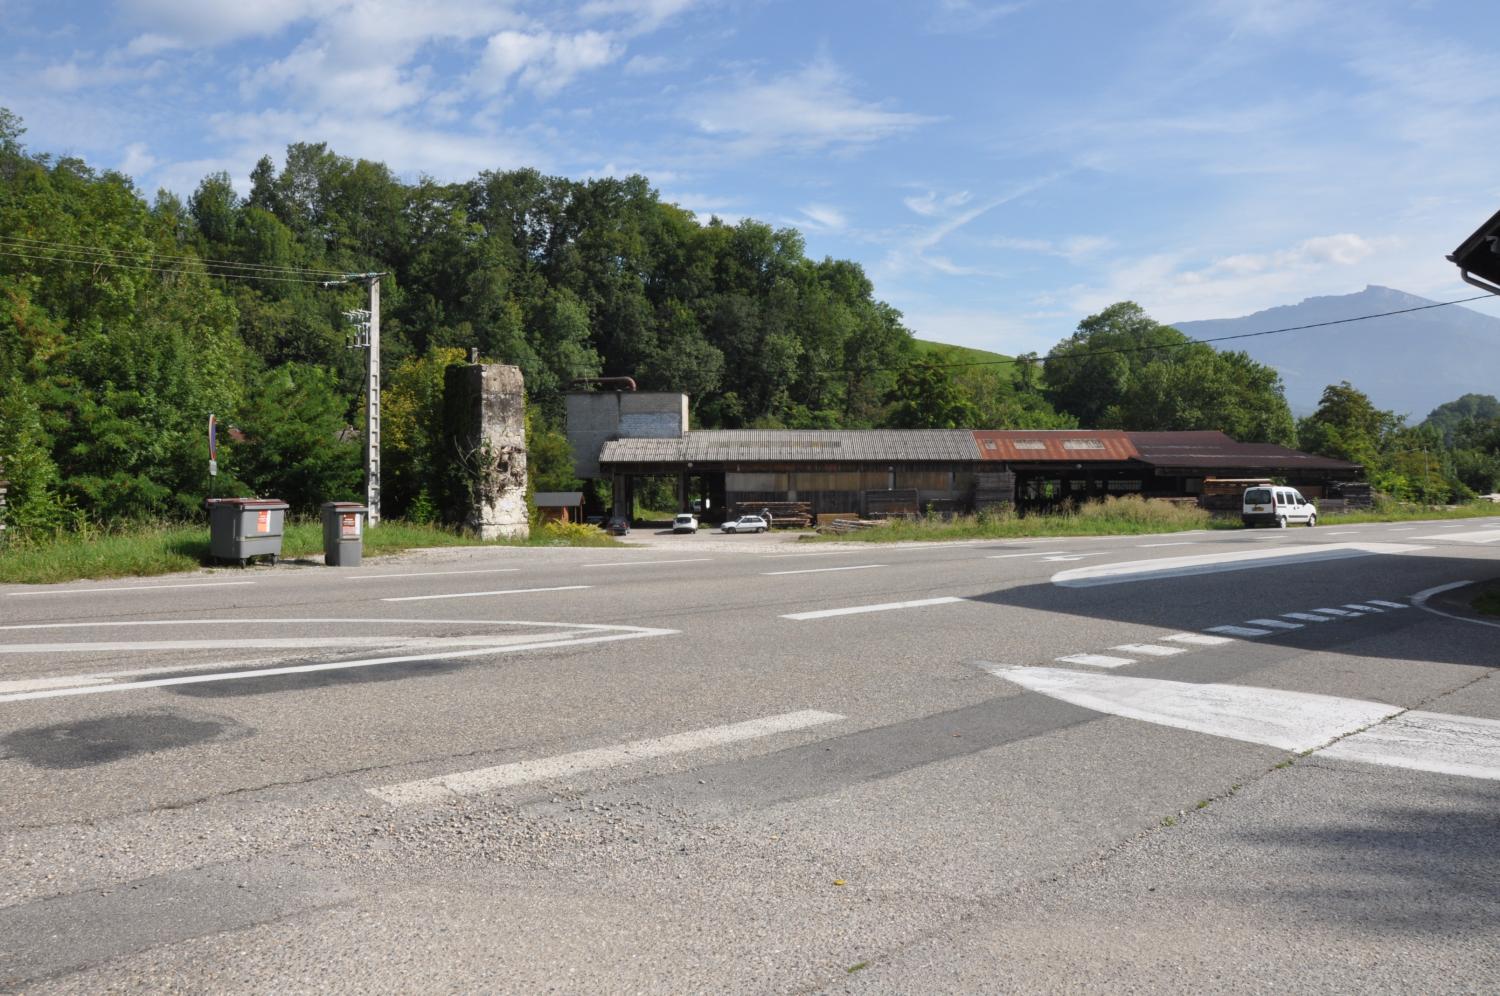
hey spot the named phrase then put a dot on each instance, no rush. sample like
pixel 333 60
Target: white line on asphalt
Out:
pixel 296 621
pixel 1341 613
pixel 648 563
pixel 822 570
pixel 37 684
pixel 1271 716
pixel 259 643
pixel 1273 623
pixel 1477 536
pixel 1306 617
pixel 1148 546
pixel 1239 631
pixel 1150 649
pixel 1428 741
pixel 1010 556
pixel 1426 593
pixel 810 553
pixel 883 607
pixel 481 594
pixel 1455 525
pixel 1362 608
pixel 1401 529
pixel 429 574
pixel 1342 532
pixel 135 587
pixel 1096 660
pixel 565 765
pixel 1389 605
pixel 1074 556
pixel 1198 639
pixel 635 633
pixel 1421 597
pixel 1209 563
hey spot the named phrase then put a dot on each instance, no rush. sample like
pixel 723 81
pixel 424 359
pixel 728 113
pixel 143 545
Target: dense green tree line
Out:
pixel 124 322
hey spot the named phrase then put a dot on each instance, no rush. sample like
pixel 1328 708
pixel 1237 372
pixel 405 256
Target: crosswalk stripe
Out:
pixel 1239 631
pixel 1274 623
pixel 1388 605
pixel 1095 660
pixel 1150 649
pixel 1198 639
pixel 1341 613
pixel 1362 608
pixel 1306 617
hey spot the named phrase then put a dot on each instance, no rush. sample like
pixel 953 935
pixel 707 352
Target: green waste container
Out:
pixel 242 528
pixel 343 533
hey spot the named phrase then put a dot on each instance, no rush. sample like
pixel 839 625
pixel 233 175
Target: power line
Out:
pixel 1222 338
pixel 139 255
pixel 155 269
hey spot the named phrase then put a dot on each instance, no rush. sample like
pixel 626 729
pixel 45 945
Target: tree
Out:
pixel 1347 426
pixel 925 397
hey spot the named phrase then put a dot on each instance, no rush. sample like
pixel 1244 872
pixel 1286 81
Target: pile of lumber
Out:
pixel 783 513
pixel 899 501
pixel 994 488
pixel 1356 494
pixel 851 525
pixel 1227 494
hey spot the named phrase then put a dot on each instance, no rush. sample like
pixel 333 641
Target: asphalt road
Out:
pixel 1261 761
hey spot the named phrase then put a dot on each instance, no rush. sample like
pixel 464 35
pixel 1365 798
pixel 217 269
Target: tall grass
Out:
pixel 144 550
pixel 1127 515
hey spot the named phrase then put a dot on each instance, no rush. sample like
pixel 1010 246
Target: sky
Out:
pixel 1000 169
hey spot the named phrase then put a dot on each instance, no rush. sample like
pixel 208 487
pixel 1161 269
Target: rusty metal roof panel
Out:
pixel 811 445
pixel 1055 445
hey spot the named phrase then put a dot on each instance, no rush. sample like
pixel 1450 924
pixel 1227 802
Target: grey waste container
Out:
pixel 241 528
pixel 343 532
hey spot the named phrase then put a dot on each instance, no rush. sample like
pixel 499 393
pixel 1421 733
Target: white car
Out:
pixel 1277 506
pixel 685 523
pixel 745 524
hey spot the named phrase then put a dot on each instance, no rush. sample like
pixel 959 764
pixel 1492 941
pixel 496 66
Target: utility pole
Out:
pixel 367 337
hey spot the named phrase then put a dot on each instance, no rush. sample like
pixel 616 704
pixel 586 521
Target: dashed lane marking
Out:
pixel 822 570
pixel 1307 617
pixel 1095 660
pixel 1341 613
pixel 882 607
pixel 134 587
pixel 1389 605
pixel 1038 553
pixel 1149 546
pixel 474 782
pixel 649 563
pixel 1199 639
pixel 482 594
pixel 1150 649
pixel 1273 623
pixel 1239 631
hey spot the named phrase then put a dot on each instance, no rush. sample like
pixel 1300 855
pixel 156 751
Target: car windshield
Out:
pixel 684 518
pixel 1258 496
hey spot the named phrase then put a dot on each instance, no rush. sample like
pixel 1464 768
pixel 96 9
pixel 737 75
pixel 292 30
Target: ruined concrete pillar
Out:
pixel 484 407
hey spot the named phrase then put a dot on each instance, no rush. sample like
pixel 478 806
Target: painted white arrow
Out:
pixel 1374 732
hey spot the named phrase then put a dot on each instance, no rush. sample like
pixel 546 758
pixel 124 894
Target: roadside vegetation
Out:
pixel 1488 602
pixel 1125 516
pixel 143 551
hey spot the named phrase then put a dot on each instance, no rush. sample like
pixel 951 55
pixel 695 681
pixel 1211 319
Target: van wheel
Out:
pixel 1281 522
pixel 1312 520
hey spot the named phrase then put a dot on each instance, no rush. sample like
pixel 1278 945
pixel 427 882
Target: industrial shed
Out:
pixel 868 472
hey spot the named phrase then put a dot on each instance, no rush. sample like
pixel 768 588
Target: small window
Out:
pixel 1082 444
pixel 1029 444
pixel 990 444
pixel 1258 496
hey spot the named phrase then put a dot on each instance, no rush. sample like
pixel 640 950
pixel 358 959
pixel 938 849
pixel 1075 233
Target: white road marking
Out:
pixel 629 633
pixel 1210 563
pixel 1388 605
pixel 1306 617
pixel 1274 623
pixel 298 620
pixel 429 574
pixel 1426 593
pixel 649 563
pixel 1403 529
pixel 1362 608
pixel 1421 597
pixel 1455 525
pixel 258 643
pixel 1199 639
pixel 1148 546
pixel 1073 556
pixel 1096 660
pixel 543 769
pixel 37 684
pixel 1150 649
pixel 1289 720
pixel 1039 553
pixel 134 587
pixel 1341 613
pixel 481 594
pixel 1476 536
pixel 1342 532
pixel 822 570
pixel 883 607
pixel 1239 631
pixel 1428 741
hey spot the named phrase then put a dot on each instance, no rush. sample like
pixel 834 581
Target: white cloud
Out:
pixel 214 22
pixel 930 205
pixel 824 218
pixel 969 16
pixel 138 160
pixel 543 61
pixel 807 110
pixel 643 15
pixel 647 65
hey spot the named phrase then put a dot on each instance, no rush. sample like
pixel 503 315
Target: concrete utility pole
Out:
pixel 367 337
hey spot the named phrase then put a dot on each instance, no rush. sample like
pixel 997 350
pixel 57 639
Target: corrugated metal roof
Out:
pixel 1209 450
pixel 812 445
pixel 1072 445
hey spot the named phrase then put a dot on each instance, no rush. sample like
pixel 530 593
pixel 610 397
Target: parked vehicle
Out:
pixel 745 524
pixel 687 522
pixel 618 525
pixel 1277 506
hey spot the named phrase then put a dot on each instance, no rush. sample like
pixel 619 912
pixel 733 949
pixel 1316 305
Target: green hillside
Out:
pixel 944 353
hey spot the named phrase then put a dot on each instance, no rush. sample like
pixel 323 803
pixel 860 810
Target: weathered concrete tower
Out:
pixel 484 406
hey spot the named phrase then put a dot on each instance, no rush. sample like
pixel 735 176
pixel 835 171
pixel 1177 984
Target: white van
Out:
pixel 1273 505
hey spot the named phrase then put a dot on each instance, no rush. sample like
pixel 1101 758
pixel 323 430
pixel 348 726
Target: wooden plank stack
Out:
pixel 1227 494
pixel 796 514
pixel 1356 494
pixel 994 488
pixel 901 501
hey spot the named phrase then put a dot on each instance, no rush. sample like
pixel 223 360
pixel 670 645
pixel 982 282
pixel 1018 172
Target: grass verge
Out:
pixel 163 549
pixel 1393 512
pixel 1126 516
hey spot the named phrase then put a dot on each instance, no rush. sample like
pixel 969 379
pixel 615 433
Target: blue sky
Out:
pixel 1000 169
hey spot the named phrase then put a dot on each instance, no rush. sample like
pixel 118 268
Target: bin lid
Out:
pixel 255 504
pixel 347 506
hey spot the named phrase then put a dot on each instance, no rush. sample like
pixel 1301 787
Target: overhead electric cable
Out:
pixel 157 269
pixel 78 249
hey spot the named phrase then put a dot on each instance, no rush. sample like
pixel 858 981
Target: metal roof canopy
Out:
pixel 1478 256
pixel 558 499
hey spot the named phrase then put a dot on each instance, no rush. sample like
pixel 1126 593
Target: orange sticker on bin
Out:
pixel 263 522
pixel 349 524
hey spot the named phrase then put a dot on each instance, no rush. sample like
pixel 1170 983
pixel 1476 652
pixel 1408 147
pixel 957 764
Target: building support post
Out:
pixel 372 408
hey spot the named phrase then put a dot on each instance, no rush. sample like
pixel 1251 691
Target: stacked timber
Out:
pixel 853 525
pixel 897 502
pixel 797 514
pixel 1227 494
pixel 994 488
pixel 1356 494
